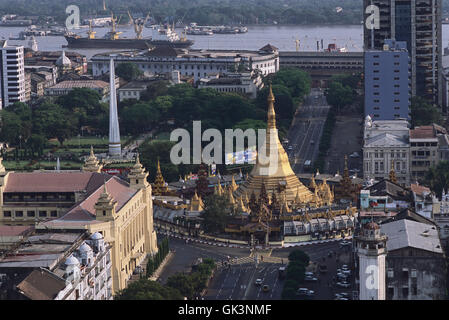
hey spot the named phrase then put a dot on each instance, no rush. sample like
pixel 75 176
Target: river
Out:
pixel 283 37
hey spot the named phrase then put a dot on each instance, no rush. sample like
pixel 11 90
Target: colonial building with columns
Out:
pixel 121 211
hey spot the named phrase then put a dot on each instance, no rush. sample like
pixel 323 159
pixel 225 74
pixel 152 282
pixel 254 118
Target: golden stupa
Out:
pixel 278 177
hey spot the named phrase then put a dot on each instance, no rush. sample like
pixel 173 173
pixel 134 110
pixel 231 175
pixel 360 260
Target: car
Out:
pixel 344 295
pixel 302 292
pixel 345 243
pixel 341 275
pixel 354 155
pixel 290 148
pixel 310 293
pixel 310 279
pixel 311 274
pixel 258 282
pixel 266 288
pixel 312 141
pixel 345 267
pixel 347 272
pixel 343 284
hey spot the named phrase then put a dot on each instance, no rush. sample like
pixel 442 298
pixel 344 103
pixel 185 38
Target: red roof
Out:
pixel 11 231
pixel 423 132
pixel 54 181
pixel 416 188
pixel 117 188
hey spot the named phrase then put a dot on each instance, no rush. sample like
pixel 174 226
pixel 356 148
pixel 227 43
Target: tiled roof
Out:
pixel 418 189
pixel 11 231
pixel 54 181
pixel 69 84
pixel 118 189
pixel 41 285
pixel 423 132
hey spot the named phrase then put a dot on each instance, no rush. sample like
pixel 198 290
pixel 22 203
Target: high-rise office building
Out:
pixel 387 82
pixel 418 22
pixel 12 75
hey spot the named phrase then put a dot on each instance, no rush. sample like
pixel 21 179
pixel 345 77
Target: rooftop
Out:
pixel 51 181
pixel 406 233
pixel 41 284
pixel 69 84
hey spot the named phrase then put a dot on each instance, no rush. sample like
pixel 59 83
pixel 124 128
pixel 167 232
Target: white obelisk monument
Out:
pixel 115 149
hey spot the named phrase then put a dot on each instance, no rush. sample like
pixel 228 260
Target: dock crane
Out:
pixel 138 24
pixel 298 42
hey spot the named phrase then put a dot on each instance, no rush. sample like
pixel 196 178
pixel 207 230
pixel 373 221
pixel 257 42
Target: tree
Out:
pixel 339 95
pixel 128 71
pixel 139 117
pixel 283 104
pixel 437 178
pixel 299 256
pixel 423 113
pixel 216 213
pixel 182 283
pixel 297 81
pixel 296 271
pixel 53 121
pixel 144 289
pixel 11 127
pixel 154 90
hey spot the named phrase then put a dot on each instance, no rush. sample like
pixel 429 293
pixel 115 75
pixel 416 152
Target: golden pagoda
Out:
pixel 196 204
pixel 234 186
pixel 312 184
pixel 92 164
pixel 159 186
pixel 276 176
pixel 241 207
pixel 392 175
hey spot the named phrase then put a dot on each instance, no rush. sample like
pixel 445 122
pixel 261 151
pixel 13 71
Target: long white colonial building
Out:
pixel 197 63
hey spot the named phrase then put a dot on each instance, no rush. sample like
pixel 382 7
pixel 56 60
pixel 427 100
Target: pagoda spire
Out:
pixel 392 175
pixel 271 112
pixel 91 164
pixel 159 186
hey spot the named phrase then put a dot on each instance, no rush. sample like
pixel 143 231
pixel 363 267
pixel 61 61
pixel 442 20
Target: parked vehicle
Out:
pixel 343 284
pixel 281 272
pixel 310 279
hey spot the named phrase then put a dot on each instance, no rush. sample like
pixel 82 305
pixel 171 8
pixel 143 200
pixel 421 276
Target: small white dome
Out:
pixel 85 248
pixel 96 236
pixel 63 60
pixel 71 261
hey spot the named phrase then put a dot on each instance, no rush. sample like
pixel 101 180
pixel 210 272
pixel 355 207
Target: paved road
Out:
pixel 186 254
pixel 307 127
pixel 237 280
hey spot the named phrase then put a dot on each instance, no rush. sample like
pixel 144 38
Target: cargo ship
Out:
pixel 112 39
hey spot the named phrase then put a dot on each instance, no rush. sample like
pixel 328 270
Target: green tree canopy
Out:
pixel 216 213
pixel 182 283
pixel 424 113
pixel 297 81
pixel 128 71
pixel 144 289
pixel 437 178
pixel 299 256
pixel 283 104
pixel 339 95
